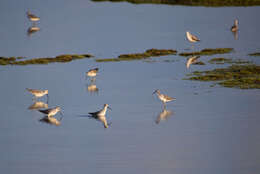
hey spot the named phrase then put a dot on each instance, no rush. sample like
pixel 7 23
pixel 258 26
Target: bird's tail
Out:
pixel 28 89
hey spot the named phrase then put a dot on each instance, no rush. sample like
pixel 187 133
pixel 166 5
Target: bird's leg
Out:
pixel 164 105
pixel 93 79
pixel 61 117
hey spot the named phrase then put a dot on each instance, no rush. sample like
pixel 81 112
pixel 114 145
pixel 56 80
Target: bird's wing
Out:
pixel 45 111
pixel 32 16
pixel 30 90
pixel 168 97
pixel 33 90
pixel 233 28
pixel 195 38
pixel 94 114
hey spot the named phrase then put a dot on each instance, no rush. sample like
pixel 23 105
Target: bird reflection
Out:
pixel 235 34
pixel 38 105
pixel 32 29
pixel 92 88
pixel 191 60
pixel 51 120
pixel 164 115
pixel 102 120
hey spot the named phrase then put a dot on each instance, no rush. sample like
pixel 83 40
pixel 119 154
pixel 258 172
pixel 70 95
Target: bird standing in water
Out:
pixel 101 115
pixel 51 112
pixel 192 38
pixel 38 93
pixel 92 73
pixel 32 17
pixel 163 98
pixel 234 28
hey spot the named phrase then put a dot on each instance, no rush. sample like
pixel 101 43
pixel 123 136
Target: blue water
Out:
pixel 212 130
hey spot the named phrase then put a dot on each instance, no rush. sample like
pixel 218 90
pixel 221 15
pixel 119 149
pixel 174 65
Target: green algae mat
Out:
pixel 61 59
pixel 138 56
pixel 208 52
pixel 234 76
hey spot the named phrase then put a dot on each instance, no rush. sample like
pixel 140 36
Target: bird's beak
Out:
pixel 154 92
pixel 109 108
pixel 61 113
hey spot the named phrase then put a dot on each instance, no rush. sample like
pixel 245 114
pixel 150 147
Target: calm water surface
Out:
pixel 212 130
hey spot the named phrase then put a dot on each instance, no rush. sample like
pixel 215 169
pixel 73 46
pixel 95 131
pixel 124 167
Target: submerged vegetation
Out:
pixel 208 51
pixel 138 56
pixel 214 3
pixel 61 59
pixel 221 60
pixel 254 54
pixel 199 63
pixel 234 76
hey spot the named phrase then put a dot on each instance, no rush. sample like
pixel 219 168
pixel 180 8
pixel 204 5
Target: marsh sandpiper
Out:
pixel 234 28
pixel 92 72
pixel 163 98
pixel 191 37
pixel 38 93
pixel 101 115
pixel 51 111
pixel 32 17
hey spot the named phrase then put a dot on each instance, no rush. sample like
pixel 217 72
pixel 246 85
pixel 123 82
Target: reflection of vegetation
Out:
pixel 148 53
pixel 208 51
pixel 221 60
pixel 254 54
pixel 60 58
pixel 235 76
pixel 192 2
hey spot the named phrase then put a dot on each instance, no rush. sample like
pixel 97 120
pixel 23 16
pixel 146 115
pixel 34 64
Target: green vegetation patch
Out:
pixel 208 51
pixel 212 3
pixel 234 76
pixel 7 60
pixel 138 56
pixel 254 54
pixel 221 60
pixel 61 59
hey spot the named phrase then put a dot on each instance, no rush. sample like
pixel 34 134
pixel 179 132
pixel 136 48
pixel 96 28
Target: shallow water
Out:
pixel 212 130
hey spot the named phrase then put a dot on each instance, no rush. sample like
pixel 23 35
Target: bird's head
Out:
pixel 156 91
pixel 107 106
